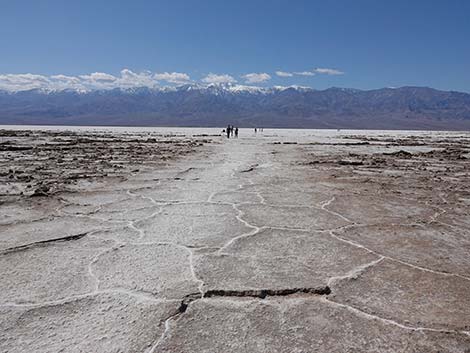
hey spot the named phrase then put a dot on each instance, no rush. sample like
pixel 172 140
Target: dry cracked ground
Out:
pixel 328 242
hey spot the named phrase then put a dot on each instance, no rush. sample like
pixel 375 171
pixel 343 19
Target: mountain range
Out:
pixel 217 105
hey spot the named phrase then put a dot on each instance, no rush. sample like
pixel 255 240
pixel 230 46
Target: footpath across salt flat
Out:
pixel 277 242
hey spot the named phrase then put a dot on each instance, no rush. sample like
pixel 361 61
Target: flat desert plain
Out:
pixel 181 240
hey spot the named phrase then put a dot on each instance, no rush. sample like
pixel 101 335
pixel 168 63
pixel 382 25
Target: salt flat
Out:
pixel 179 240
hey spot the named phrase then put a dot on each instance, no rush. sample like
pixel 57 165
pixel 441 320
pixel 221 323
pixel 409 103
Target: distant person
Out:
pixel 228 131
pixel 256 130
pixel 236 132
pixel 231 131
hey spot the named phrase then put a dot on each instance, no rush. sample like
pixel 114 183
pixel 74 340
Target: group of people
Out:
pixel 231 131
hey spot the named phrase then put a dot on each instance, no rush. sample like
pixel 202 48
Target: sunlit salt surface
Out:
pixel 297 135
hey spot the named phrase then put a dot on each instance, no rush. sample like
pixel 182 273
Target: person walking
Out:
pixel 236 132
pixel 228 131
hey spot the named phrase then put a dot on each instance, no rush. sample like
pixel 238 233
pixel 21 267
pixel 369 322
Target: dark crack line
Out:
pixel 250 169
pixel 42 243
pixel 179 175
pixel 263 293
pixel 253 293
pixel 256 293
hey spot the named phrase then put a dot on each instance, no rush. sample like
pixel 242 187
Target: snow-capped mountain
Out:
pixel 218 105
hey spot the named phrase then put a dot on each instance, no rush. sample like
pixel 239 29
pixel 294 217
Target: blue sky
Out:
pixel 371 43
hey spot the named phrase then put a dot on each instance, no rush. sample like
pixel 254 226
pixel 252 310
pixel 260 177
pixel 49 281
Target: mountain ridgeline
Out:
pixel 244 106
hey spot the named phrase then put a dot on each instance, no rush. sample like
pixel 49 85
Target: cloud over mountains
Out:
pixel 256 77
pixel 173 77
pixel 131 79
pixel 93 81
pixel 214 78
pixel 318 70
pixel 326 71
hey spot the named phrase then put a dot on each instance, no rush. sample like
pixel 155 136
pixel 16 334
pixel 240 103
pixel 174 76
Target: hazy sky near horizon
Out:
pixel 363 44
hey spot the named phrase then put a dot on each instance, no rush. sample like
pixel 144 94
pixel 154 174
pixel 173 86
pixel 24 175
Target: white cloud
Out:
pixel 61 82
pixel 214 78
pixel 93 81
pixel 98 77
pixel 173 77
pixel 130 79
pixel 318 70
pixel 327 71
pixel 21 82
pixel 256 77
pixel 305 73
pixel 284 74
pixel 98 80
pixel 65 79
pixel 297 73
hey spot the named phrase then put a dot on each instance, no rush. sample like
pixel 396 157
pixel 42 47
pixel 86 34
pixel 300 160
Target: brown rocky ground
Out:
pixel 39 163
